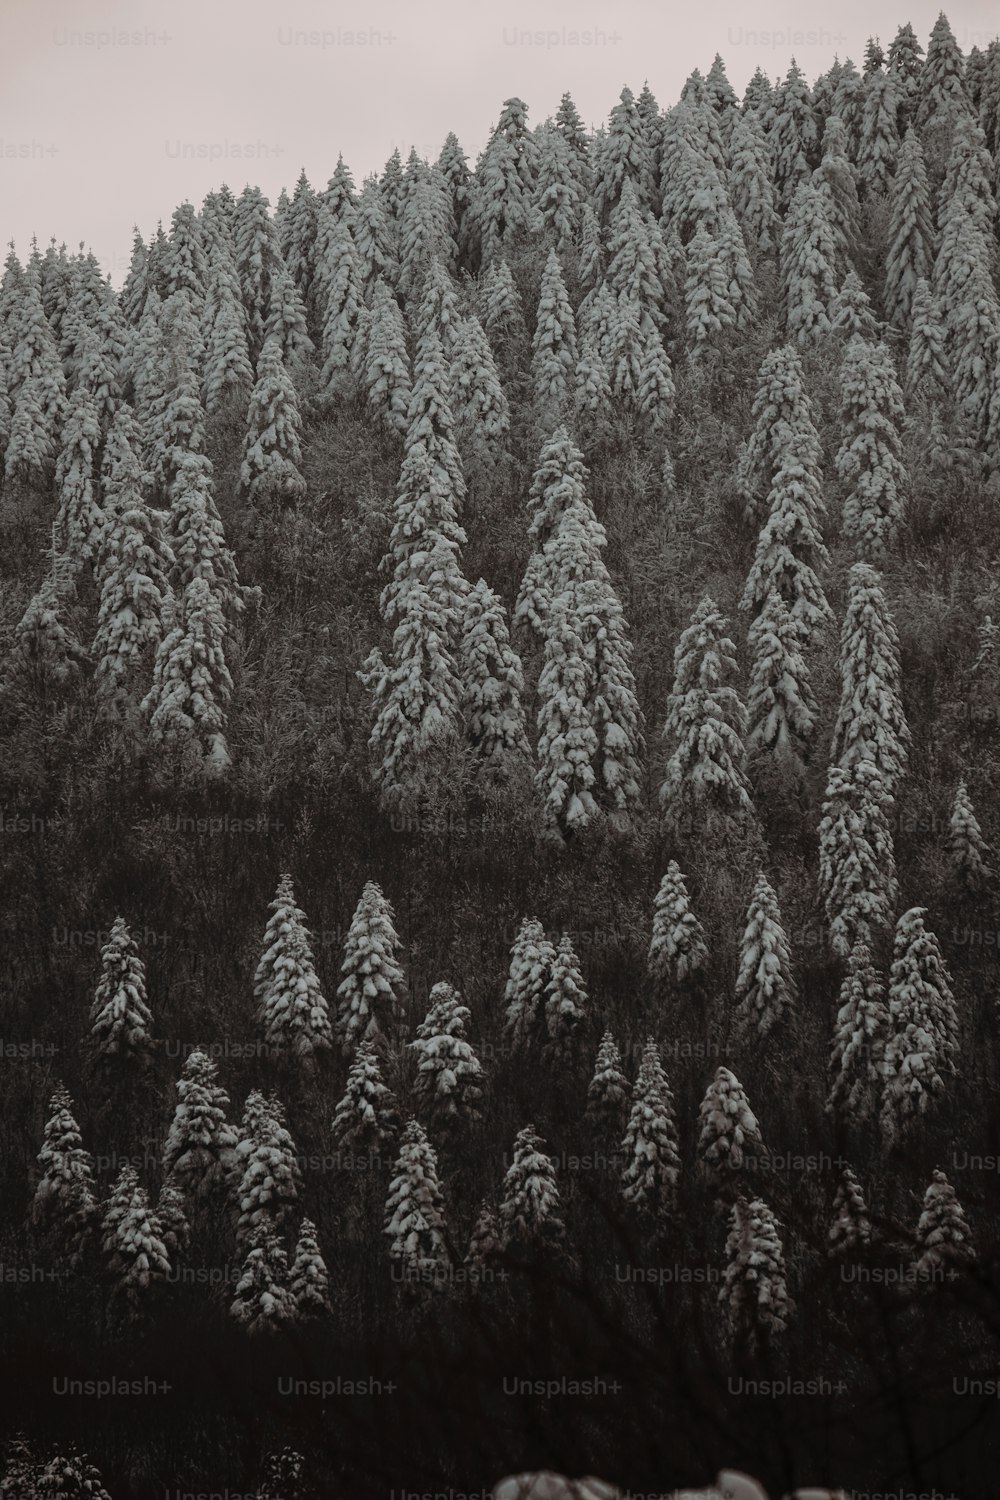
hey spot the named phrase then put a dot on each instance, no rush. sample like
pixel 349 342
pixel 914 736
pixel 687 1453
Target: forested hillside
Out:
pixel 500 677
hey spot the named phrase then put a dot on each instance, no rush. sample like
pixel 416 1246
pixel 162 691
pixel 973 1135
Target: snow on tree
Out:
pixel 78 519
pixel 926 362
pixel 857 867
pixel 270 1178
pixel 172 1220
pixel 425 548
pixel 908 255
pixel 566 1004
pixel 707 296
pixel 103 351
pixel 781 708
pixel 341 279
pixel 965 293
pixel 677 948
pixel 870 721
pixel 632 273
pixel 453 168
pixel 943 1240
pixel 571 127
pixel 503 310
pixel 191 688
pixel 851 311
pixel 272 451
pixel 170 407
pixel 568 741
pixel 593 385
pixel 198 1152
pixel 197 536
pixel 45 649
pixel 531 961
pixel 728 1128
pixel 940 86
pixel 751 187
pixel 967 848
pixel 905 65
pixel 120 1017
pixel 507 172
pixel 557 199
pixel 263 1302
pixel 31 448
pixel 923 1037
pixel 424 235
pixel 439 307
pixel 650 1146
pixel 257 254
pixel 138 1257
pixel 340 196
pixel 791 129
pixel 835 179
pixel 878 146
pixel 35 357
pixel 859 1039
pixel 136 283
pixel 623 154
pixel 185 267
pixel 478 402
pixel 783 418
pixel 492 682
pixel 706 721
pixel 449 1078
pixel 286 320
pixel 531 1220
pixel 367 997
pixel 850 1231
pixel 765 990
pixel 723 98
pixel 309 1281
pixel 64 1206
pixel 292 1012
pixel 809 253
pixel 414 1210
pixel 483 1253
pixel 387 366
pixel 132 573
pixel 608 1093
pixel 869 458
pixel 554 350
pixel 298 237
pixel 117 1206
pixel 562 521
pixel 366 1118
pixel 754 1289
pixel 758 95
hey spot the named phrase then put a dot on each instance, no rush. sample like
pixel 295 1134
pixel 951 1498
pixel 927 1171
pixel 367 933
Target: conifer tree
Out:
pixel 507 173
pixel 754 1287
pixel 286 320
pixel 503 310
pixel 608 1093
pixel 970 309
pixel 198 1152
pixel 943 1238
pixel 869 457
pixel 309 1280
pixel 531 961
pixel 367 994
pixel 187 702
pixel 940 86
pixel 781 708
pixel 263 1302
pixel 292 1011
pixel 707 291
pixel 791 128
pixel 783 421
pixel 557 199
pixel 387 369
pixel 341 279
pixel 567 743
pixel 197 536
pixel 728 1128
pixel 623 154
pixel 272 452
pixel 677 948
pixel 850 1230
pixel 751 187
pixel 269 1176
pixel 706 721
pixel 566 1004
pixel 414 1210
pixel 64 1206
pixel 30 448
pixel 808 265
pixel 449 1078
pixel 531 1219
pixel 859 1039
pixel 121 1020
pixel 138 1256
pixel 870 721
pixel 851 311
pixel 46 650
pixel 632 273
pixel 966 846
pixel 366 1118
pixel 650 1147
pixel 923 1037
pixel 926 362
pixel 857 867
pixel 478 402
pixel 257 254
pixel 172 1220
pixel 78 519
pixel 905 64
pixel 492 682
pixel 132 573
pixel 554 350
pixel 878 145
pixel 835 179
pixel 765 989
pixel 484 1248
pixel 908 255
pixel 298 245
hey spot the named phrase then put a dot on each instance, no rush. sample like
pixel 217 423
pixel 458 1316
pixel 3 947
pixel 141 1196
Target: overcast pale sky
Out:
pixel 115 111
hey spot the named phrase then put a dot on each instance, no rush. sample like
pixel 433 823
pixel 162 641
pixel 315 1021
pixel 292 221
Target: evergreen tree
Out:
pixel 187 701
pixel 836 181
pixel 707 294
pixel 851 311
pixel 857 867
pixel 449 1079
pixel 706 721
pixel 909 251
pixel 791 127
pixel 783 422
pixel 132 574
pixel 507 174
pixel 120 1017
pixel 557 199
pixel 309 1281
pixel 257 254
pixel 926 362
pixel 966 846
pixel 943 1236
pixel 492 682
pixel 754 1287
pixel 878 146
pixel 809 254
pixel 341 278
pixel 781 708
pixel 286 320
pixel 728 1128
pixel 923 1039
pixel 608 1093
pixel 623 155
pixel 869 457
pixel 138 1255
pixel 292 1012
pixel 484 1247
pixel 850 1230
pixel 64 1206
pixel 263 1302
pixel 677 948
pixel 650 1147
pixel 46 650
pixel 481 410
pixel 272 452
pixel 940 86
pixel 367 994
pixel 414 1210
pixel 366 1118
pixel 78 520
pixel 172 1220
pixel 532 959
pixel 870 723
pixel 765 990
pixel 859 1038
pixel 554 350
pixel 30 449
pixel 531 1218
pixel 387 369
pixel 269 1176
pixel 197 536
pixel 751 187
pixel 199 1149
pixel 566 1004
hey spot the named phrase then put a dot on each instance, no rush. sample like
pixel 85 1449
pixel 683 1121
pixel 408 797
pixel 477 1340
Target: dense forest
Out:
pixel 500 676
